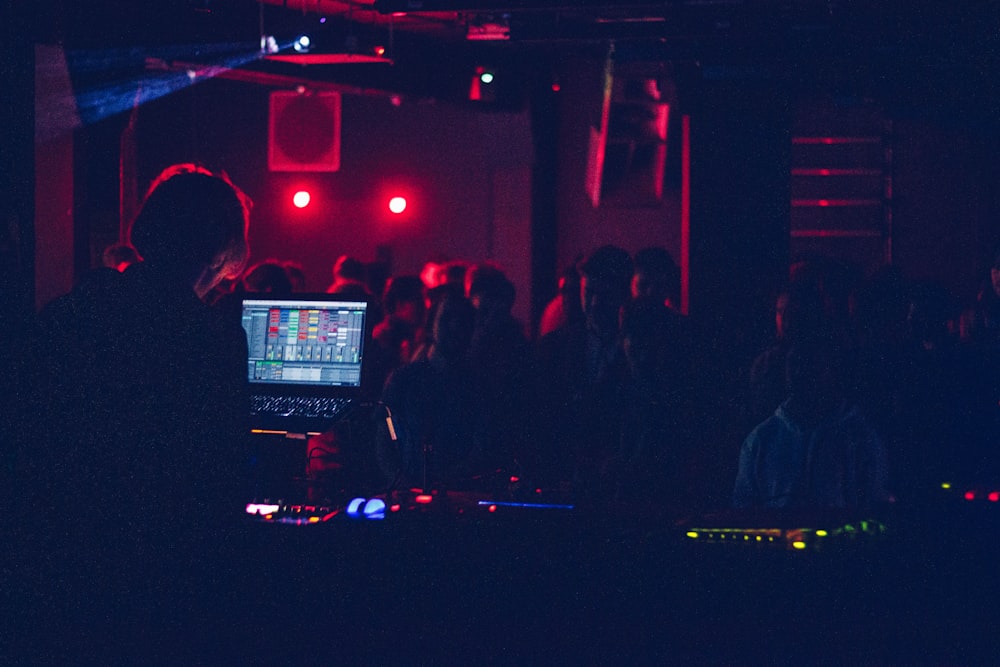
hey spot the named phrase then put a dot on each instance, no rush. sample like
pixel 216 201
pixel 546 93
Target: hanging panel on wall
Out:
pixel 304 131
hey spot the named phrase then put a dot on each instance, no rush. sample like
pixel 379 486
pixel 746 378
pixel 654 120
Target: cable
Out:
pixel 394 437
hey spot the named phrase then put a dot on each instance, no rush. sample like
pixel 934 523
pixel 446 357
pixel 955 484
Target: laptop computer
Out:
pixel 306 361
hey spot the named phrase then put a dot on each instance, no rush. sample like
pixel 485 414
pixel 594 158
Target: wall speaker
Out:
pixel 304 131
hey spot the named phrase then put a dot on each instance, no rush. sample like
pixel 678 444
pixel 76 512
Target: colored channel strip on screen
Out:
pixel 791 539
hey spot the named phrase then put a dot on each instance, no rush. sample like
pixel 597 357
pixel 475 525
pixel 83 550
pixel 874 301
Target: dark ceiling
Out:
pixel 905 51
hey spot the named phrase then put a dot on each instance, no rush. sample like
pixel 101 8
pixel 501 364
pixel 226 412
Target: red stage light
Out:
pixel 397 204
pixel 301 199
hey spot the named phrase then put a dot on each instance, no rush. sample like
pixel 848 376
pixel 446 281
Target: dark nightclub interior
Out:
pixel 647 332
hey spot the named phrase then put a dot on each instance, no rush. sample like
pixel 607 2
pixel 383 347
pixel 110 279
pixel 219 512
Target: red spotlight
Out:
pixel 397 204
pixel 301 199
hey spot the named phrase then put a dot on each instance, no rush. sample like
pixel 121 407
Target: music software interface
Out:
pixel 305 343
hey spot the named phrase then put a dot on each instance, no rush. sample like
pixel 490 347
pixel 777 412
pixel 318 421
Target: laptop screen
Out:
pixel 306 342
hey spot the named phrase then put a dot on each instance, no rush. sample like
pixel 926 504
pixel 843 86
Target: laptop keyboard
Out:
pixel 298 406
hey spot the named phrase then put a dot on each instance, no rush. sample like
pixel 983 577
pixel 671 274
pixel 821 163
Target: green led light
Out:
pixel 799 545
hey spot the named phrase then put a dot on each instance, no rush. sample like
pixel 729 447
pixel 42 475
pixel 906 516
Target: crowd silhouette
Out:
pixel 873 389
pixel 615 395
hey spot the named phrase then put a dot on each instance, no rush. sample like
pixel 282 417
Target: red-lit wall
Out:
pixel 631 222
pixel 466 177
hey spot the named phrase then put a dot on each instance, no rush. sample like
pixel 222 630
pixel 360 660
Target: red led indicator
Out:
pixel 994 496
pixel 424 498
pixel 493 508
pixel 395 508
pixel 970 495
pixel 514 479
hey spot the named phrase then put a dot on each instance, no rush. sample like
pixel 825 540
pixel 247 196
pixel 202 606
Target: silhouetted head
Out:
pixel 656 275
pixel 404 299
pixel 605 279
pixel 453 326
pixel 296 274
pixel 193 223
pixel 267 276
pixel 349 269
pixel 487 287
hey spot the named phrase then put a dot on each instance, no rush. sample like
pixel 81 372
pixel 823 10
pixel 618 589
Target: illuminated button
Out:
pixel 354 506
pixel 375 509
pixel 257 508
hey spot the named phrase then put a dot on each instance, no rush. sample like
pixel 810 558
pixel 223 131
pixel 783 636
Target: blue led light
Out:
pixel 539 505
pixel 354 507
pixel 375 509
